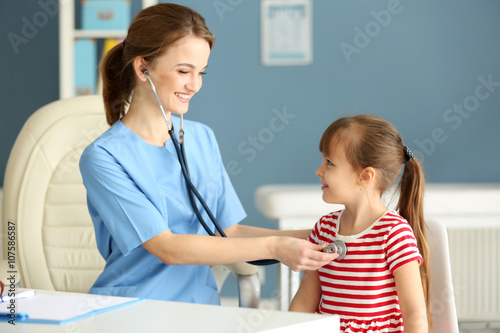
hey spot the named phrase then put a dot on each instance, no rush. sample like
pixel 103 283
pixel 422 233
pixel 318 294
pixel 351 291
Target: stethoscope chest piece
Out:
pixel 337 246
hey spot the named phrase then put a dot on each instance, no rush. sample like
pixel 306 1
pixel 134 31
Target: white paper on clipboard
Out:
pixel 286 32
pixel 61 308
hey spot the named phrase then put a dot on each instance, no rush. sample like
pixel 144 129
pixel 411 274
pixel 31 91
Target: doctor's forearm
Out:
pixel 239 230
pixel 298 254
pixel 176 249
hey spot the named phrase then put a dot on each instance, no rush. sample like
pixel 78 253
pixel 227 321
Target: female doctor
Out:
pixel 145 227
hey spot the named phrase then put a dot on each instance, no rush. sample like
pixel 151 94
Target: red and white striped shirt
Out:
pixel 360 288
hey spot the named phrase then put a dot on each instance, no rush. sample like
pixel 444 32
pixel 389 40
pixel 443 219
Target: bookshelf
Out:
pixel 67 36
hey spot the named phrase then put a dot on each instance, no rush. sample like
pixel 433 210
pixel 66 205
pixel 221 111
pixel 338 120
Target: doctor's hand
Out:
pixel 301 255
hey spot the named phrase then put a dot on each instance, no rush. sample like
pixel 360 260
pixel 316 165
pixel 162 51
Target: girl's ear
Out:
pixel 367 176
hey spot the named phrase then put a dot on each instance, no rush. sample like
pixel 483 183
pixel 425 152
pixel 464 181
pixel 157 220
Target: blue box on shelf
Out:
pixel 106 14
pixel 85 66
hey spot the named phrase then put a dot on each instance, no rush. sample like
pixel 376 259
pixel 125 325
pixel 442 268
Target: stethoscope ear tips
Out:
pixel 337 247
pixel 145 72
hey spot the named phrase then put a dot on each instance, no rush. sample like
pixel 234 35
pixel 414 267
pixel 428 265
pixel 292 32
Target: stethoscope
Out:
pixel 193 192
pixel 337 246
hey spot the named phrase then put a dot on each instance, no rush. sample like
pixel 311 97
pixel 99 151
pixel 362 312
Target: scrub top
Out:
pixel 135 191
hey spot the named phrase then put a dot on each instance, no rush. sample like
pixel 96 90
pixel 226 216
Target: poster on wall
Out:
pixel 286 32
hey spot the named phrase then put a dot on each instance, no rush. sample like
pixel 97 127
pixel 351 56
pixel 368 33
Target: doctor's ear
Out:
pixel 140 68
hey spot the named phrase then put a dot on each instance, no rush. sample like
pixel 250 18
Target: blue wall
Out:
pixel 426 69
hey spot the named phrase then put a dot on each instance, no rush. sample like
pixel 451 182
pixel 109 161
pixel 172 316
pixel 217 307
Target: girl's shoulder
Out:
pixel 394 225
pixel 384 226
pixel 329 221
pixel 392 218
pixel 331 217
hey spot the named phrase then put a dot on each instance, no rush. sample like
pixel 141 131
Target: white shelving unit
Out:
pixel 67 36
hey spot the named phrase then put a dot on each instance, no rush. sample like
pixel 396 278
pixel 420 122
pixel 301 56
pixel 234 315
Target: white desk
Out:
pixel 160 316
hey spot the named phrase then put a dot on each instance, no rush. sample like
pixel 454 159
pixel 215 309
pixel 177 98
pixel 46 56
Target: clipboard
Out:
pixel 60 309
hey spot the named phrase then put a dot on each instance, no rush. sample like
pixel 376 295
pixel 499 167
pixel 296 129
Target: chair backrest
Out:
pixel 44 195
pixel 442 297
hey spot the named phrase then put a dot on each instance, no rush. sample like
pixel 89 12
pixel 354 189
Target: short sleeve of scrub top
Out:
pixel 135 191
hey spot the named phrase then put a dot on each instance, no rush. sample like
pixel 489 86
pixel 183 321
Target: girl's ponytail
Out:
pixel 411 207
pixel 117 83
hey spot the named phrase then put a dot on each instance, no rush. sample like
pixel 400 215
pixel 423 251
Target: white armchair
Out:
pixel 443 308
pixel 45 197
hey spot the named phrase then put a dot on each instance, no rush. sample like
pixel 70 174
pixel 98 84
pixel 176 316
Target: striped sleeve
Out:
pixel 324 229
pixel 401 247
pixel 314 236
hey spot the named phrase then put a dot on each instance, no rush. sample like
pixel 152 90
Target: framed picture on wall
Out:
pixel 286 32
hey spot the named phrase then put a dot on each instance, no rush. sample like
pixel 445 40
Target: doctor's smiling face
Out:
pixel 177 74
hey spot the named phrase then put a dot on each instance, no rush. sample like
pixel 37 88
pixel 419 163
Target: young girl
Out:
pixel 382 285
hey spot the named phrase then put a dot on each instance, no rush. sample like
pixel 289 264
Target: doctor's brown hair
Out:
pixel 370 141
pixel 150 34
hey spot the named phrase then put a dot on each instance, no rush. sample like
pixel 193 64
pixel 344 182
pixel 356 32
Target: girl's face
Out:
pixel 339 179
pixel 177 74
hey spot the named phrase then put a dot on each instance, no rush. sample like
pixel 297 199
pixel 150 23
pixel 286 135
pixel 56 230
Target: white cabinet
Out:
pixel 67 36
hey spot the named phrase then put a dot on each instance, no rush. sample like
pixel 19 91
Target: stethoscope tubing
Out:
pixel 179 148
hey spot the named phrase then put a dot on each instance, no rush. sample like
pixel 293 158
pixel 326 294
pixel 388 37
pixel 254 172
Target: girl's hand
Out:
pixel 301 255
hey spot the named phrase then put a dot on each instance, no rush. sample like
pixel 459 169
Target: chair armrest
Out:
pixel 247 279
pixel 243 269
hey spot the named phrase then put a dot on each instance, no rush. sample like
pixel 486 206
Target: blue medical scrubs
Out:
pixel 135 191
